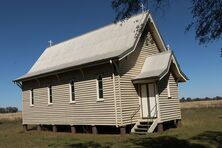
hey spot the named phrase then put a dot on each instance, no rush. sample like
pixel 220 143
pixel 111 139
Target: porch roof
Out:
pixel 157 66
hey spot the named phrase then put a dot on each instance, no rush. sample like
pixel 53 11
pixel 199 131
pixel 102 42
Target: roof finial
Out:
pixel 50 43
pixel 168 47
pixel 142 7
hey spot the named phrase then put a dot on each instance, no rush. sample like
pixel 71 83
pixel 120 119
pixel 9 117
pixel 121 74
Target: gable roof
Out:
pixel 112 41
pixel 158 65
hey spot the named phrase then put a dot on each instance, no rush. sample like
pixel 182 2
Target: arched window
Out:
pixel 72 91
pixel 31 97
pixel 168 89
pixel 99 88
pixel 49 94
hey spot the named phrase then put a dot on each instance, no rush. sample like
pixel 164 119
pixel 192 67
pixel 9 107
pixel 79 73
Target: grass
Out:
pixel 201 104
pixel 201 128
pixel 11 116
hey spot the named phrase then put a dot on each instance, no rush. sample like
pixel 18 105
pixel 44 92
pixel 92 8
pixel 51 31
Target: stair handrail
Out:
pixel 155 113
pixel 134 113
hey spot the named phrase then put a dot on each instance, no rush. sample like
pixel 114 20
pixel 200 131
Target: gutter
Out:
pixel 67 69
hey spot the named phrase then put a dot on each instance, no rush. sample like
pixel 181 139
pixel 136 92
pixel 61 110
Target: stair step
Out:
pixel 140 133
pixel 141 129
pixel 143 126
pixel 145 123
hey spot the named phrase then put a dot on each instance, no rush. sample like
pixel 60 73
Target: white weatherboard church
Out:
pixel 120 76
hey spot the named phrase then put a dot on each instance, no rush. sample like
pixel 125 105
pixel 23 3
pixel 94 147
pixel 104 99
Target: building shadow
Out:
pixel 164 141
pixel 143 142
pixel 90 144
pixel 211 137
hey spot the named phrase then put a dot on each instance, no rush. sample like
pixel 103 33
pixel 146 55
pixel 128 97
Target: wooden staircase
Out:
pixel 144 126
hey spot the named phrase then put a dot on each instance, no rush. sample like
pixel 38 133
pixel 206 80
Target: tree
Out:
pixel 207 20
pixel 127 8
pixel 207 16
pixel 182 99
pixel 189 99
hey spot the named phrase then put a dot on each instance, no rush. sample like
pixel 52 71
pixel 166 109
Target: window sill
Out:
pixel 72 102
pixel 49 104
pixel 31 105
pixel 100 100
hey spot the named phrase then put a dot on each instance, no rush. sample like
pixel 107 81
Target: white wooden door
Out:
pixel 144 101
pixel 152 100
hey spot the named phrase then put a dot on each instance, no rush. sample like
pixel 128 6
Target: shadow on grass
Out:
pixel 90 144
pixel 212 137
pixel 164 141
pixel 143 142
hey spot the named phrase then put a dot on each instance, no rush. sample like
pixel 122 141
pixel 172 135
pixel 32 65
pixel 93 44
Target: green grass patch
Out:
pixel 201 128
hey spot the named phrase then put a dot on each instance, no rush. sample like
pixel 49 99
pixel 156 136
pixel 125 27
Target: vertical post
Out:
pixel 122 130
pixel 73 129
pixel 54 128
pixel 160 127
pixel 178 123
pixel 94 129
pixel 25 127
pixel 39 127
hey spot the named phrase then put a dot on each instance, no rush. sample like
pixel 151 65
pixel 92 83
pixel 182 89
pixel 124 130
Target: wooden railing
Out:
pixel 134 113
pixel 155 114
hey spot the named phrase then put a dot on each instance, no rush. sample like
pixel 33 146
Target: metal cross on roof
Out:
pixel 50 43
pixel 142 7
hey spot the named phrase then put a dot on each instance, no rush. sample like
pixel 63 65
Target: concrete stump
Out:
pixel 25 127
pixel 94 130
pixel 39 127
pixel 54 128
pixel 160 127
pixel 122 130
pixel 178 123
pixel 73 129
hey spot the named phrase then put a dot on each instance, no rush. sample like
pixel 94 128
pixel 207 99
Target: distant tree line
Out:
pixel 200 99
pixel 8 110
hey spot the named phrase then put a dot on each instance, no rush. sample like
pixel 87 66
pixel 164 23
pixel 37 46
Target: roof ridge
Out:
pixel 94 30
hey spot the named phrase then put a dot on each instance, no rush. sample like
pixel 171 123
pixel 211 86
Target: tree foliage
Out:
pixel 126 8
pixel 207 15
pixel 207 20
pixel 8 110
pixel 200 99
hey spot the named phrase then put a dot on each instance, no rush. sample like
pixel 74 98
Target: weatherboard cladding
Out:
pixel 86 110
pixel 104 43
pixel 169 108
pixel 130 67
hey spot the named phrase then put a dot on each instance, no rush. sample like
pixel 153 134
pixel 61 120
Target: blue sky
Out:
pixel 26 26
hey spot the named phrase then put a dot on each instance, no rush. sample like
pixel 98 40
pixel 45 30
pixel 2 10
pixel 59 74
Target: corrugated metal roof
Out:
pixel 104 43
pixel 155 66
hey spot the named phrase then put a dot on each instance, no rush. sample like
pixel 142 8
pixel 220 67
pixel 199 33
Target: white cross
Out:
pixel 142 7
pixel 50 43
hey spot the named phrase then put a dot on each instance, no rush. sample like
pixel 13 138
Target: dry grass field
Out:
pixel 202 128
pixel 201 104
pixel 11 116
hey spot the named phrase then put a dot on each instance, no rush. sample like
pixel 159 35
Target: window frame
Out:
pixel 31 101
pixel 50 102
pixel 168 90
pixel 99 99
pixel 72 94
